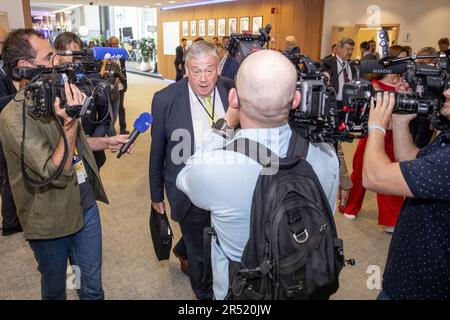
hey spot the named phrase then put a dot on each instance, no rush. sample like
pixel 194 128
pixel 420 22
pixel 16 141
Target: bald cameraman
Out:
pixel 61 219
pixel 418 265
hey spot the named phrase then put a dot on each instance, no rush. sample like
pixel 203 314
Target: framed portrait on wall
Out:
pixel 257 24
pixel 232 26
pixel 244 24
pixel 202 28
pixel 185 25
pixel 193 28
pixel 221 25
pixel 211 27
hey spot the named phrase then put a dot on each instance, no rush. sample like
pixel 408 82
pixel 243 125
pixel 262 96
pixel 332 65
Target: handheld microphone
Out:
pixel 374 66
pixel 98 53
pixel 140 125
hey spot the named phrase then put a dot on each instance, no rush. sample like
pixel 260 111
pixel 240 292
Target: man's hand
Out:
pixel 382 113
pixel 73 97
pixel 232 117
pixel 180 66
pixel 116 142
pixel 159 207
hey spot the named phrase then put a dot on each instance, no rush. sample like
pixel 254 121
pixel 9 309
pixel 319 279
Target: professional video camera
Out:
pixel 427 81
pixel 316 116
pixel 48 83
pixel 241 45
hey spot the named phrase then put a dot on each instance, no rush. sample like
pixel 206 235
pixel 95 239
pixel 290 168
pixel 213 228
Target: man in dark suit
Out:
pixel 340 71
pixel 179 59
pixel 228 66
pixel 182 114
pixel 340 68
pixel 10 222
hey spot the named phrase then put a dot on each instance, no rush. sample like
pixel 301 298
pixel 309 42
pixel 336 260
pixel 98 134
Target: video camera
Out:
pixel 241 45
pixel 427 81
pixel 48 83
pixel 316 115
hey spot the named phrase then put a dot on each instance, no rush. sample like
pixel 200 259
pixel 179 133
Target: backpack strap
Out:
pixel 252 149
pixel 298 145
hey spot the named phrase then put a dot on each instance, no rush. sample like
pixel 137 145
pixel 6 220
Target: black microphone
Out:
pixel 374 66
pixel 141 125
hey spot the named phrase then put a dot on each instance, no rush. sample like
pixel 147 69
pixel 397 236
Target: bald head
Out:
pixel 266 85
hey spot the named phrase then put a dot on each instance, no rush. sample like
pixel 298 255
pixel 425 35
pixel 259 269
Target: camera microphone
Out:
pixel 98 53
pixel 378 67
pixel 140 125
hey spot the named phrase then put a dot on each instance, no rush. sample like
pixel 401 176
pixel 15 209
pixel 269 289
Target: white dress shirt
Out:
pixel 340 65
pixel 200 118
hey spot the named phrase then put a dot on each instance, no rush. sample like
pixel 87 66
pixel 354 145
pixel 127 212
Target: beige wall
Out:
pixel 425 21
pixel 301 18
pixel 15 13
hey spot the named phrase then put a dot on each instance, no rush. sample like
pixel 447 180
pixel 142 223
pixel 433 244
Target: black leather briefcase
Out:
pixel 161 234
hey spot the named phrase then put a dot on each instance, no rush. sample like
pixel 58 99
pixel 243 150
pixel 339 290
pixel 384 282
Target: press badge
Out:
pixel 79 168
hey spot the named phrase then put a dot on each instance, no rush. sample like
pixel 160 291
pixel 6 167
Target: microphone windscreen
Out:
pixel 108 53
pixel 144 122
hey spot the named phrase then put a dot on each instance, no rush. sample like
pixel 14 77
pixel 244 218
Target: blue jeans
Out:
pixel 83 249
pixel 383 296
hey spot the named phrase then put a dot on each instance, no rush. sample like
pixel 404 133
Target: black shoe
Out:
pixel 124 132
pixel 11 231
pixel 183 262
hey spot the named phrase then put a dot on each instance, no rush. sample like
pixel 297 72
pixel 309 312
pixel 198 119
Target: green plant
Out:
pixel 146 49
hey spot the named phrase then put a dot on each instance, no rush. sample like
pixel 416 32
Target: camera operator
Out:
pixel 222 181
pixel 388 206
pixel 419 255
pixel 10 221
pixel 70 41
pixel 61 219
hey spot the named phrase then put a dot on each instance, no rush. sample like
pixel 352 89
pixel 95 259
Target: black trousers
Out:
pixel 10 219
pixel 122 121
pixel 192 226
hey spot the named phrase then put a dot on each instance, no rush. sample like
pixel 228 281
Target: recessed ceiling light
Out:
pixel 172 1
pixel 158 4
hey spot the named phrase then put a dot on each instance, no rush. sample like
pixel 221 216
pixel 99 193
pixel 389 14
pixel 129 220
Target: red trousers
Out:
pixel 388 206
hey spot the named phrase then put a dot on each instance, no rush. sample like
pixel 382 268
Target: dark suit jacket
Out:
pixel 7 90
pixel 331 65
pixel 171 110
pixel 230 68
pixel 179 56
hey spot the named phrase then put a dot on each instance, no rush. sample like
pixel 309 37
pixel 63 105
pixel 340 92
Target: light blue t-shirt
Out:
pixel 223 182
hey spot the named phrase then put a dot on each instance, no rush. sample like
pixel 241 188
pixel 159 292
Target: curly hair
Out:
pixel 18 47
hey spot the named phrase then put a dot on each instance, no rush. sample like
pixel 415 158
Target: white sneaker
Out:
pixel 389 230
pixel 349 216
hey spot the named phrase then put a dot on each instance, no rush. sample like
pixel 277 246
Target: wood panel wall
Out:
pixel 300 18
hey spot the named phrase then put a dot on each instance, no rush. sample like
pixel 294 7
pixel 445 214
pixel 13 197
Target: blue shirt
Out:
pixel 223 182
pixel 418 265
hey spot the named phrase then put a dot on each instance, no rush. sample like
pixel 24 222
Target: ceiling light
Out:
pixel 195 4
pixel 68 8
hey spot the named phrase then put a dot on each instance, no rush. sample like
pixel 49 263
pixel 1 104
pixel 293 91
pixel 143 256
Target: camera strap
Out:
pixel 211 116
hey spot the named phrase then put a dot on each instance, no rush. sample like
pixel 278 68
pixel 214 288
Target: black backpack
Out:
pixel 293 251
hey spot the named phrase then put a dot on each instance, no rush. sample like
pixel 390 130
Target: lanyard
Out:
pixel 204 108
pixel 343 65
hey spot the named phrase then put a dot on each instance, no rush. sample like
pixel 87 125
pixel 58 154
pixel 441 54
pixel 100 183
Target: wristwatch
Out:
pixel 222 128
